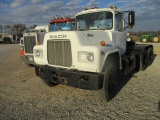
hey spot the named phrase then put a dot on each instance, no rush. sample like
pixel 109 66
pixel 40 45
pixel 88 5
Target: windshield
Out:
pixel 94 21
pixel 34 30
pixel 61 26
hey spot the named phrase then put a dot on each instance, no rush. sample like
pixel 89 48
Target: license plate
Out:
pixel 30 58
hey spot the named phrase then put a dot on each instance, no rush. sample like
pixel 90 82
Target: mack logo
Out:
pixel 90 35
pixel 58 36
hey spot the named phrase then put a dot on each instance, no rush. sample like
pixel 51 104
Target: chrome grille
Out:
pixel 29 43
pixel 59 52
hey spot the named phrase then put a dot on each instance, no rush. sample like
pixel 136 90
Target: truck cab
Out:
pixel 92 56
pixel 61 24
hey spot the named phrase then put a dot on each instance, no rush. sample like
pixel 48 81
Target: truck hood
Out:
pixel 81 36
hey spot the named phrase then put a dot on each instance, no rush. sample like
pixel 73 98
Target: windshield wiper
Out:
pixel 81 29
pixel 102 28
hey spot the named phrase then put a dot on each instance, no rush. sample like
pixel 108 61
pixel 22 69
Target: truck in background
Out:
pixel 36 37
pixel 92 56
pixel 29 40
pixel 44 28
pixel 6 38
pixel 62 24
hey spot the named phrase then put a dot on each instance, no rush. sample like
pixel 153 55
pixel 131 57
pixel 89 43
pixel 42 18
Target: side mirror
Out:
pixel 131 18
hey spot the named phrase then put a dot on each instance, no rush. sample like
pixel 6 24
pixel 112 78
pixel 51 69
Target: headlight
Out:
pixel 128 39
pixel 37 53
pixel 21 42
pixel 90 57
pixel 85 56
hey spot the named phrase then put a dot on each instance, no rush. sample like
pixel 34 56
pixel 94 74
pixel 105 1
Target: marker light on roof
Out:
pixel 114 7
pixel 94 7
pixel 38 43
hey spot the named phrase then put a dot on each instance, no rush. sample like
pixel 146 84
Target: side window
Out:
pixel 118 22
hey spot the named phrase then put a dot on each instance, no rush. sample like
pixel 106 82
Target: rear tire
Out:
pixel 155 39
pixel 150 56
pixel 144 60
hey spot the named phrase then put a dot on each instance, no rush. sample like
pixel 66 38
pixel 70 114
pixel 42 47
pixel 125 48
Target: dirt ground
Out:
pixel 24 96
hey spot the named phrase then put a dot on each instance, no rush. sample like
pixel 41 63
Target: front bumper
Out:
pixel 28 59
pixel 74 78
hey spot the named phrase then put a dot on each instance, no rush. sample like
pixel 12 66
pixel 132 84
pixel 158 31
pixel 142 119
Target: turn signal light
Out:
pixel 94 7
pixel 85 9
pixel 102 43
pixel 38 43
pixel 111 7
pixel 21 52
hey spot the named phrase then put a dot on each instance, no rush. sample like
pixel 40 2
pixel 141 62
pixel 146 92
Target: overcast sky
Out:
pixel 40 12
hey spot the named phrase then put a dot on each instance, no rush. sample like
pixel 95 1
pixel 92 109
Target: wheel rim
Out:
pixel 144 40
pixel 155 39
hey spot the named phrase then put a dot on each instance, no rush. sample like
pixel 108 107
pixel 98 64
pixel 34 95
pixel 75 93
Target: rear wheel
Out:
pixel 144 60
pixel 150 56
pixel 155 39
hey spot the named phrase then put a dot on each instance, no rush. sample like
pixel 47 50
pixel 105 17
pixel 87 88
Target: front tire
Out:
pixel 109 84
pixel 155 39
pixel 144 40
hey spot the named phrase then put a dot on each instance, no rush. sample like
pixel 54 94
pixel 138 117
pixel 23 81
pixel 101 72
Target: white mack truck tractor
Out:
pixel 36 37
pixel 29 40
pixel 92 56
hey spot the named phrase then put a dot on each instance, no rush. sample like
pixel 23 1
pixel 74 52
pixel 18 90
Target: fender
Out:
pixel 112 55
pixel 39 59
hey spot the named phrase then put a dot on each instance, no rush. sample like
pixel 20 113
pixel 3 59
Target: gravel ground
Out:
pixel 24 96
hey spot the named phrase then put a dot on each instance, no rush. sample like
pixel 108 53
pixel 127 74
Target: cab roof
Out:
pixel 111 9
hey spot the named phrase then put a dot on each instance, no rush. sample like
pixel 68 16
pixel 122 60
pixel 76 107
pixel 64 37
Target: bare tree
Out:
pixel 1 28
pixel 32 27
pixel 19 27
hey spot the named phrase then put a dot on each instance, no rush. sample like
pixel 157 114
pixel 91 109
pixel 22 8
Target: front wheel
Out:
pixel 110 80
pixel 144 40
